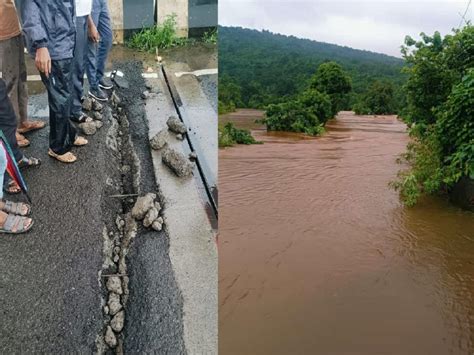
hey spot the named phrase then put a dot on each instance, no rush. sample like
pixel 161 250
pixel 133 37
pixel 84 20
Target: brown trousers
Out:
pixel 13 68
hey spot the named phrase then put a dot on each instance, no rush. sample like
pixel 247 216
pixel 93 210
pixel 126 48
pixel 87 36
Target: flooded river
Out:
pixel 318 256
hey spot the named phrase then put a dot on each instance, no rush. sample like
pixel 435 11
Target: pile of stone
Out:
pixel 94 110
pixel 177 162
pixel 114 308
pixel 147 209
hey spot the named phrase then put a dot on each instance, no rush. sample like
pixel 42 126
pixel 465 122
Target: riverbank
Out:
pixel 318 254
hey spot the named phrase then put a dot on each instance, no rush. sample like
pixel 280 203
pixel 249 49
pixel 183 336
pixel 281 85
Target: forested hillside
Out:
pixel 258 68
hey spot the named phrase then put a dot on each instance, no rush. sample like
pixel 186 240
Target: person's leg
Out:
pixel 8 121
pixel 62 133
pixel 105 31
pixel 79 67
pixel 91 59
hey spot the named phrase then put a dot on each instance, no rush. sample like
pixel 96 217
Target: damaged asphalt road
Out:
pixel 50 290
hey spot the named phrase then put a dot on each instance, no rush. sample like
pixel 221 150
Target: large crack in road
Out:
pixel 53 279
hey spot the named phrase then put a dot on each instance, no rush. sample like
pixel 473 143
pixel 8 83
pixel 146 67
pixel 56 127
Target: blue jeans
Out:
pixel 80 52
pixel 97 53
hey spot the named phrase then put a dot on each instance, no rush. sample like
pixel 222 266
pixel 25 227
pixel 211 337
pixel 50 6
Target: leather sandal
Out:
pixel 16 224
pixel 63 158
pixel 80 141
pixel 16 208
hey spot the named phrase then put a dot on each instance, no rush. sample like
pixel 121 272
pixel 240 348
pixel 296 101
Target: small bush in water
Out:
pixel 230 135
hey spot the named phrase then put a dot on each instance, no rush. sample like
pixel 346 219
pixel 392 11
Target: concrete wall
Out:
pixel 116 14
pixel 178 7
pixel 130 15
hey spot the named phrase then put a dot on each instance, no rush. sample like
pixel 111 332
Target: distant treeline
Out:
pixel 258 68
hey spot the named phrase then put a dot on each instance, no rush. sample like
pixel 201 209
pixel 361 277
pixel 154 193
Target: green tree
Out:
pixel 332 80
pixel 440 97
pixel 378 100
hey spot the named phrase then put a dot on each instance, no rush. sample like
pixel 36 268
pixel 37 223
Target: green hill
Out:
pixel 259 67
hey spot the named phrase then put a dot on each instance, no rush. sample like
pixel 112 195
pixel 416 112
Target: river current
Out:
pixel 318 256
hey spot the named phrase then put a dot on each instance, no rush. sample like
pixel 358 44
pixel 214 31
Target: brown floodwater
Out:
pixel 318 256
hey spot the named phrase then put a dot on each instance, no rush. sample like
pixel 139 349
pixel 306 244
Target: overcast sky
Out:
pixel 379 26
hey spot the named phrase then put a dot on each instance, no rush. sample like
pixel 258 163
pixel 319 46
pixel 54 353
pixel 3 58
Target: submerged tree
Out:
pixel 332 80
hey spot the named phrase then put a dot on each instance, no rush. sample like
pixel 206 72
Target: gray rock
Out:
pixel 97 116
pixel 150 217
pixel 98 124
pixel 125 285
pixel 110 338
pixel 157 226
pixel 115 99
pixel 175 125
pixel 158 206
pixel 87 104
pixel 96 106
pixel 106 309
pixel 89 128
pixel 114 284
pixel 117 321
pixel 193 156
pixel 125 169
pixel 145 94
pixel 149 86
pixel 177 162
pixel 143 205
pixel 160 220
pixel 118 222
pixel 179 137
pixel 159 140
pixel 114 303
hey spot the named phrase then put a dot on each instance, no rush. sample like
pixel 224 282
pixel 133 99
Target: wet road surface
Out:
pixel 317 255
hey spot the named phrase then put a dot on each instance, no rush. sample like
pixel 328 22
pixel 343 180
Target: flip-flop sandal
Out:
pixel 31 126
pixel 29 162
pixel 21 140
pixel 80 141
pixel 13 188
pixel 82 119
pixel 16 208
pixel 16 224
pixel 63 158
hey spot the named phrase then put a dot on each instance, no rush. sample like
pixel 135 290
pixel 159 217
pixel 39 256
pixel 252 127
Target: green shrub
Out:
pixel 441 153
pixel 292 116
pixel 230 135
pixel 210 36
pixel 160 36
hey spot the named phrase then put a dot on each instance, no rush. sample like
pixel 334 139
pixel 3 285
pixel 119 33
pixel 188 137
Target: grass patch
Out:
pixel 161 36
pixel 210 36
pixel 229 136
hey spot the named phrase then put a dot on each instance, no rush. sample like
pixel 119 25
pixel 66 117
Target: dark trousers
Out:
pixel 8 121
pixel 80 52
pixel 59 86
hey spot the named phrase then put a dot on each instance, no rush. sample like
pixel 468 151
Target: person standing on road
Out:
pixel 50 33
pixel 83 11
pixel 13 68
pixel 100 34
